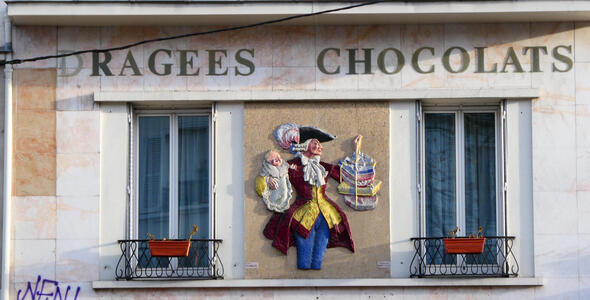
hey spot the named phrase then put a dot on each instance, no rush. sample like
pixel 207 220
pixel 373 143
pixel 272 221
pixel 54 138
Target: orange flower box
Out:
pixel 464 245
pixel 169 248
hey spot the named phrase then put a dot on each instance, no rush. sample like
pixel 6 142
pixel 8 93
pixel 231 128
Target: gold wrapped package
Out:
pixel 370 190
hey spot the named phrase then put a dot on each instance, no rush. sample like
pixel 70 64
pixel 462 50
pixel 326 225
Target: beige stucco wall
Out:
pixel 370 229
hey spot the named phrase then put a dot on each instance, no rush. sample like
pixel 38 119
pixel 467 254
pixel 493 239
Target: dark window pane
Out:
pixel 440 178
pixel 193 177
pixel 480 173
pixel 154 166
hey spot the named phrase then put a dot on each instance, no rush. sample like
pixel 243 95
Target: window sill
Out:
pixel 272 283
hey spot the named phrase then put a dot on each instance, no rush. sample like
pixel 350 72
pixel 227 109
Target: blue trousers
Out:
pixel 310 251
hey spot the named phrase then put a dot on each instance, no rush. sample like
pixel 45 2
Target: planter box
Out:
pixel 464 245
pixel 169 248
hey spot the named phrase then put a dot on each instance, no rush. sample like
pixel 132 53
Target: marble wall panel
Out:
pixel 342 38
pixel 258 39
pixel 76 260
pixel 584 255
pixel 582 39
pixel 554 169
pixel 34 174
pixel 584 292
pixel 425 293
pixel 294 78
pixel 293 46
pixel 33 258
pixel 261 79
pixel 554 126
pixel 123 83
pixel 379 37
pixel 583 169
pixel 85 291
pixel 213 56
pixel 217 40
pixel 469 293
pixel 78 174
pixel 154 32
pixel 582 73
pixel 556 213
pixel 551 35
pixel 379 81
pixel 466 36
pixel 117 36
pixel 555 88
pixel 35 131
pixel 208 83
pixel 336 82
pixel 168 82
pixel 76 92
pixel 501 36
pixel 70 39
pixel 34 41
pixel 417 36
pixel 34 89
pixel 518 293
pixel 558 288
pixel 584 212
pixel 582 126
pixel 78 132
pixel 556 256
pixel 336 294
pixel 34 218
pixel 499 39
pixel 510 79
pixel 77 218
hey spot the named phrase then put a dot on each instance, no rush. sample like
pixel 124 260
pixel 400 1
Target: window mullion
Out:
pixel 501 199
pixel 460 136
pixel 173 225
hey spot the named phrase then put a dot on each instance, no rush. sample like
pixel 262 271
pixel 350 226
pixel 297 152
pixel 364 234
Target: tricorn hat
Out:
pixel 310 132
pixel 295 138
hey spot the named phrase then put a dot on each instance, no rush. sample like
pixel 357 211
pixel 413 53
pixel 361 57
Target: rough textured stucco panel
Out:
pixel 34 132
pixel 370 229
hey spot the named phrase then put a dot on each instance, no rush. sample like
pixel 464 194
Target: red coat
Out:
pixel 281 227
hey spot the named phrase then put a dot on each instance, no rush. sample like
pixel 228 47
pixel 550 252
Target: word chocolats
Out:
pixel 561 61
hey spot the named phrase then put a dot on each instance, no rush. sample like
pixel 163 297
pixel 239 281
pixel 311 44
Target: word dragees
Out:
pixel 511 63
pixel 216 59
pixel 160 62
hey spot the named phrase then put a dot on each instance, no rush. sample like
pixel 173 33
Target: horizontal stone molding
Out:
pixel 372 95
pixel 285 283
pixel 217 12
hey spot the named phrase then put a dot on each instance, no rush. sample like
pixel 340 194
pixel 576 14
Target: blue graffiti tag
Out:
pixel 37 294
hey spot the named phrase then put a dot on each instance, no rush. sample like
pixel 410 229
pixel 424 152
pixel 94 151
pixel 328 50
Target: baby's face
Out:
pixel 274 159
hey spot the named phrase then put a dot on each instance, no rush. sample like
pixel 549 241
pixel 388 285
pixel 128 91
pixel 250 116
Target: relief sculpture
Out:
pixel 312 222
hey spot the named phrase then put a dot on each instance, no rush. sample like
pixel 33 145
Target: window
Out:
pixel 461 174
pixel 172 174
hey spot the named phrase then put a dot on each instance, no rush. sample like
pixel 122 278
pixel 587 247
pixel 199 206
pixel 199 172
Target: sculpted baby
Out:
pixel 273 182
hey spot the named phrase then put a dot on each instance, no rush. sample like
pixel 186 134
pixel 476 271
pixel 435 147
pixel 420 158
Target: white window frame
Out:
pixel 459 111
pixel 173 172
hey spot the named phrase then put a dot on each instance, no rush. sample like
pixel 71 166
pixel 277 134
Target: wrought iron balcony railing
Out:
pixel 431 260
pixel 202 262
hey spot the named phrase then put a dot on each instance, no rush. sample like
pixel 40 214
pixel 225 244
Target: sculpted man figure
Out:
pixel 313 222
